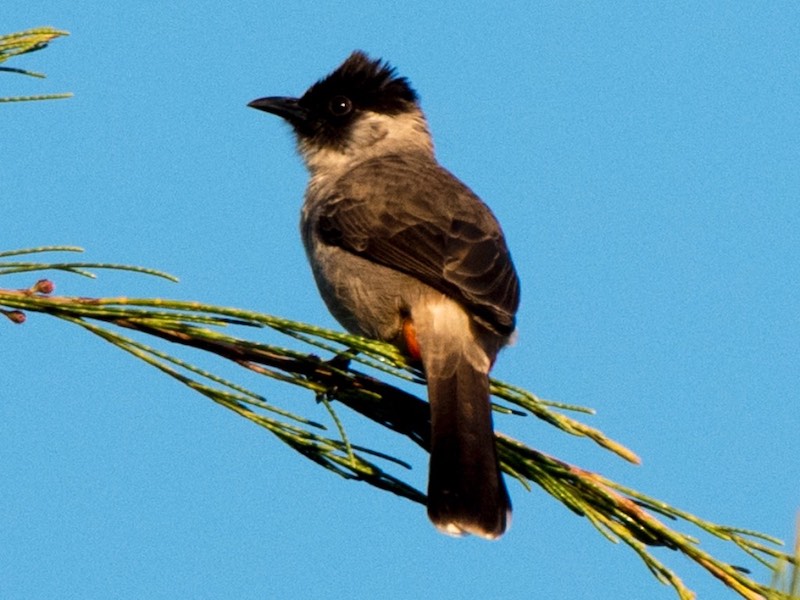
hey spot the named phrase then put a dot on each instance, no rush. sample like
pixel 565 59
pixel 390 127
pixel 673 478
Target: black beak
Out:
pixel 286 108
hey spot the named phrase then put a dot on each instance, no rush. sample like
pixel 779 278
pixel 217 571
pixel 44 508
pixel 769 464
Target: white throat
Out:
pixel 372 134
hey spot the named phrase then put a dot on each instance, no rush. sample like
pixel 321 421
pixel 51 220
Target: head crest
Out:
pixel 370 84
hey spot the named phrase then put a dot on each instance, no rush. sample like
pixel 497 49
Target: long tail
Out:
pixel 466 492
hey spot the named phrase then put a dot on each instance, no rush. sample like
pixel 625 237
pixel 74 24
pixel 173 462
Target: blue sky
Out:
pixel 644 164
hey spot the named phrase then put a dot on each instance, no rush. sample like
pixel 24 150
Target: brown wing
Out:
pixel 411 215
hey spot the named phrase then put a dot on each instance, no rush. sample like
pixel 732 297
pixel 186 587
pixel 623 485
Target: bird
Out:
pixel 403 251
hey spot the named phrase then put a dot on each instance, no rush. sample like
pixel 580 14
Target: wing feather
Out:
pixel 411 215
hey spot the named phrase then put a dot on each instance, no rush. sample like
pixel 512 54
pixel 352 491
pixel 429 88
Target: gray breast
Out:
pixel 366 298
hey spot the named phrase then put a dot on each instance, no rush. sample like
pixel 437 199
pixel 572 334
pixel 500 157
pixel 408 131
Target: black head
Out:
pixel 326 111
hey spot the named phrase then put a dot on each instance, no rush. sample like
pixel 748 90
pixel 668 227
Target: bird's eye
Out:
pixel 339 106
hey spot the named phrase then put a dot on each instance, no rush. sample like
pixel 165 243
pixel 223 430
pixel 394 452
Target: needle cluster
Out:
pixel 371 379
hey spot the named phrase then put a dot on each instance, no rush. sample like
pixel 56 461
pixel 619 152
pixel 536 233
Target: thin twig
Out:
pixel 616 511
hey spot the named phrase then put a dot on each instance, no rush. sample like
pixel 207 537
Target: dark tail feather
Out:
pixel 466 492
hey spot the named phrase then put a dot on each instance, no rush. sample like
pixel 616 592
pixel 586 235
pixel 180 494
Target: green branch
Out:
pixel 24 42
pixel 330 365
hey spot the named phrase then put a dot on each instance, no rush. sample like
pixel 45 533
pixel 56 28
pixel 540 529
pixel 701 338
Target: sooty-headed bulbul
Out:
pixel 402 251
